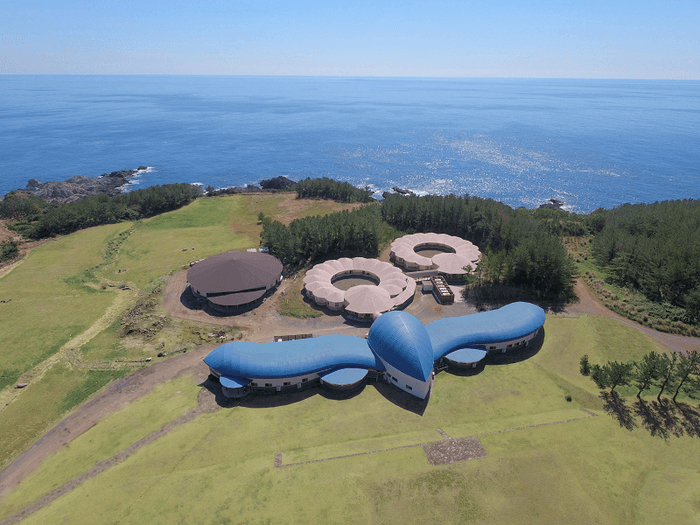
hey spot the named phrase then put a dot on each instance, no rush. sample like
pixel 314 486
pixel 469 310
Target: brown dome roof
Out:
pixel 235 278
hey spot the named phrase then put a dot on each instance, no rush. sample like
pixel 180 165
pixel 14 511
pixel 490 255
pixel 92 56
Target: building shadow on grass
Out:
pixel 466 371
pixel 402 399
pixel 278 399
pixel 517 355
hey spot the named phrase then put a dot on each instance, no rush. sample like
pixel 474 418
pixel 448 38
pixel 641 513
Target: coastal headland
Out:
pixel 116 415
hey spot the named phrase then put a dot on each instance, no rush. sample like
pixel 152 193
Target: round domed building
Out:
pixel 403 345
pixel 234 280
pixel 398 349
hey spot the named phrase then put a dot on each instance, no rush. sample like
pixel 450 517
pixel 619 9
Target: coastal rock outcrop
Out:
pixel 398 191
pixel 553 204
pixel 81 186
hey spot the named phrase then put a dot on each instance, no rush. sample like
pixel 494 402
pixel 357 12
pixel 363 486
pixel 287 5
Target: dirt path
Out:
pixel 116 397
pixel 590 305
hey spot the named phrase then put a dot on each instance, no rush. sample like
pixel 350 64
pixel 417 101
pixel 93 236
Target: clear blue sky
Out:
pixel 487 38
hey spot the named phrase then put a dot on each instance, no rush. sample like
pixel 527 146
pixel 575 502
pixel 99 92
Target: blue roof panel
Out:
pixel 292 358
pixel 233 382
pixel 344 376
pixel 505 324
pixel 401 340
pixel 466 356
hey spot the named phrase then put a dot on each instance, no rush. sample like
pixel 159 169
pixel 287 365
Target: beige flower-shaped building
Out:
pixel 387 287
pixel 447 254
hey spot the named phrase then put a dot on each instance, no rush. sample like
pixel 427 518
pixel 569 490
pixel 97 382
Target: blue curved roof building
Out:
pixel 398 347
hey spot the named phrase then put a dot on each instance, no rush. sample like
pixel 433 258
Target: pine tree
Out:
pixel 618 374
pixel 687 366
pixel 667 371
pixel 646 371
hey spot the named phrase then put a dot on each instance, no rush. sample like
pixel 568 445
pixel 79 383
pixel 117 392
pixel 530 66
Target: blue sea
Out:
pixel 589 143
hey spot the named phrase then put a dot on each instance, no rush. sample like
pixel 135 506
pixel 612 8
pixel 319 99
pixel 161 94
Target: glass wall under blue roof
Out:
pixel 510 322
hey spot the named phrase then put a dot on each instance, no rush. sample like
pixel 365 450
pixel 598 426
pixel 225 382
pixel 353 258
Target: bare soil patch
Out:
pixel 291 207
pixel 7 235
pixel 259 324
pixel 452 450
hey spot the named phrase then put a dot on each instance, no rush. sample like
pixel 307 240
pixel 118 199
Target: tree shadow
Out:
pixel 616 407
pixel 669 418
pixel 666 419
pixel 660 420
pixel 690 420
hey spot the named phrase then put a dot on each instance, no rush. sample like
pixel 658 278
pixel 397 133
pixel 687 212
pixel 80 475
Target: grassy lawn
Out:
pixel 49 303
pixel 65 286
pixel 113 434
pixel 219 468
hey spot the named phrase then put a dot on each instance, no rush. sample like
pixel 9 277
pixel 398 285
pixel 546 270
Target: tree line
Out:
pixel 356 233
pixel 670 374
pixel 325 188
pixel 517 250
pixel 37 221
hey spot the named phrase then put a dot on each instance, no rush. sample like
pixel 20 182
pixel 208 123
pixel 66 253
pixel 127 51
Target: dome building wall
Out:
pixel 398 347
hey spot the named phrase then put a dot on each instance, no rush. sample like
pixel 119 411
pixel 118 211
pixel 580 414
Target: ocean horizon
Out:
pixel 588 143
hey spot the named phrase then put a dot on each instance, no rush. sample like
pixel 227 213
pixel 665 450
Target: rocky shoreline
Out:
pixel 81 186
pixel 112 184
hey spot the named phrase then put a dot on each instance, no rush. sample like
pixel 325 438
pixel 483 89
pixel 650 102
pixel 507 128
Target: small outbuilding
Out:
pixel 234 280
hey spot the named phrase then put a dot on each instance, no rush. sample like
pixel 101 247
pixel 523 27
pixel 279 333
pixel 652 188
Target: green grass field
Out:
pixel 219 468
pixel 66 285
pixel 61 333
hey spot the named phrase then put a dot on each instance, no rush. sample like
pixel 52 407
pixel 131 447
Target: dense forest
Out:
pixel 654 248
pixel 36 219
pixel 516 248
pixel 356 233
pixel 325 188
